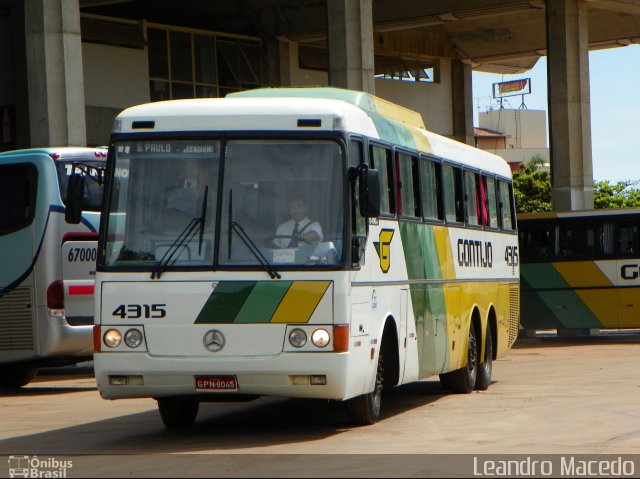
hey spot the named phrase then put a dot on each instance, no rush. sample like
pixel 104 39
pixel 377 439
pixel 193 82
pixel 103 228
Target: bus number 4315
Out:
pixel 136 311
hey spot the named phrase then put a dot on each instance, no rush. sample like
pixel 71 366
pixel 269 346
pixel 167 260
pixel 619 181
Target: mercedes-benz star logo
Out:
pixel 214 340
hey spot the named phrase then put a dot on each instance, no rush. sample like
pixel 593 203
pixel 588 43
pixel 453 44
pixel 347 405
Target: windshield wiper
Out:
pixel 185 236
pixel 242 234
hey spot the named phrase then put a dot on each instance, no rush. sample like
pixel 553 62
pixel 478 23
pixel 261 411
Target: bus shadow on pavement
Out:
pixel 42 391
pixel 219 426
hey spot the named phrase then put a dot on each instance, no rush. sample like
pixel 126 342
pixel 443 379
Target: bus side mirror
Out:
pixel 75 197
pixel 369 193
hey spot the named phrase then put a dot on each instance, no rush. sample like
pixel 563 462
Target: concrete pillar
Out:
pixel 569 105
pixel 54 73
pixel 462 102
pixel 350 38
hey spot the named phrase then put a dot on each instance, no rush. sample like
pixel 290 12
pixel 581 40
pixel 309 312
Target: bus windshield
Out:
pixel 92 189
pixel 280 204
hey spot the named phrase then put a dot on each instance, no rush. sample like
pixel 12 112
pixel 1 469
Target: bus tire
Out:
pixel 178 412
pixel 463 380
pixel 16 376
pixel 483 379
pixel 364 410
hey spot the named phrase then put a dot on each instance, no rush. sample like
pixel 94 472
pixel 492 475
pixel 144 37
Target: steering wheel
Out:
pixel 269 241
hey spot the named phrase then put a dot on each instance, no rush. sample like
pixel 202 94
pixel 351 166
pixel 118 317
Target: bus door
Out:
pixel 404 313
pixel 18 183
pixel 79 252
pixel 456 339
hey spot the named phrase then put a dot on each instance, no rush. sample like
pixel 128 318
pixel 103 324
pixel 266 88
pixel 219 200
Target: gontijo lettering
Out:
pixel 475 254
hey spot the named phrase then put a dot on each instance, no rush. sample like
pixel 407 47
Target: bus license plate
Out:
pixel 216 383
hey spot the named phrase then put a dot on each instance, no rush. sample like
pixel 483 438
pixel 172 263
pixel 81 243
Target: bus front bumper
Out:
pixel 301 375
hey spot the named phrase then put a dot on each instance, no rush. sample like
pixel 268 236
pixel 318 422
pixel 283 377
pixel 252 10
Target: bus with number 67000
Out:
pixel 50 201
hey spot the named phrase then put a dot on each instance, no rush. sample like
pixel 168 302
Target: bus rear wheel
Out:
pixel 364 410
pixel 463 380
pixel 483 380
pixel 16 376
pixel 178 412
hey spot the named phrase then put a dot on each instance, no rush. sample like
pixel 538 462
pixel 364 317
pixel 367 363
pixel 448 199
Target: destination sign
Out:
pixel 162 148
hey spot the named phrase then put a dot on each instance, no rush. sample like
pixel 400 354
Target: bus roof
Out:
pixel 55 153
pixel 324 109
pixel 549 215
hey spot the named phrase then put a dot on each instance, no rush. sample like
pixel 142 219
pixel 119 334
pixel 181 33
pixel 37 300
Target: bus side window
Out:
pixel 409 186
pixel 453 194
pixel 17 196
pixel 506 205
pixel 431 176
pixel 358 222
pixel 381 161
pixel 471 200
pixel 492 204
pixel 628 239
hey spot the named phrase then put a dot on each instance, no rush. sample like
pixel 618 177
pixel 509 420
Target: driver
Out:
pixel 299 229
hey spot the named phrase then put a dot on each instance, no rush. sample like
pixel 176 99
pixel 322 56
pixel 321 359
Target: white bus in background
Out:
pixel 48 251
pixel 411 270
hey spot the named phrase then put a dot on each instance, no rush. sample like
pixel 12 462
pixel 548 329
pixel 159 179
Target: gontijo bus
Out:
pixel 415 274
pixel 581 269
pixel 47 255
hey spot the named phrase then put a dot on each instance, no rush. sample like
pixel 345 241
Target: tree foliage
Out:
pixel 623 194
pixel 532 190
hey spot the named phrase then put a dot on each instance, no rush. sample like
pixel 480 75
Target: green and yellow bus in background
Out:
pixel 580 270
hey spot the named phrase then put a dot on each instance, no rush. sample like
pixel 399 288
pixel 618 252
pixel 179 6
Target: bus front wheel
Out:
pixel 16 376
pixel 178 412
pixel 463 380
pixel 364 410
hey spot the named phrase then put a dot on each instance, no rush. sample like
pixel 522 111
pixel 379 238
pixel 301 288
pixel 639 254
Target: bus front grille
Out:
pixel 16 320
pixel 514 313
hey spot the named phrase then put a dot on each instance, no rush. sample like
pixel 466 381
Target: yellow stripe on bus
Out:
pixel 582 274
pixel 444 252
pixel 586 274
pixel 300 302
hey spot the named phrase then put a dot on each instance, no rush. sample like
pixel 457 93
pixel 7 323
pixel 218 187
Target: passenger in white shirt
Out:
pixel 299 230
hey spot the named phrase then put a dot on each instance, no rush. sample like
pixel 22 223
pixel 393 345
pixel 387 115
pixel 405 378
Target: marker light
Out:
pixel 112 338
pixel 297 338
pixel 320 338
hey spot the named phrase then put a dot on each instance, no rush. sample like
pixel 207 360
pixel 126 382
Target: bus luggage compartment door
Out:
pixel 78 274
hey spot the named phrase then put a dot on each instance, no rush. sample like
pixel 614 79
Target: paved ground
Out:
pixel 549 396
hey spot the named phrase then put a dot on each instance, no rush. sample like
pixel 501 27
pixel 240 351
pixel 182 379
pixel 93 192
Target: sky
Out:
pixel 615 107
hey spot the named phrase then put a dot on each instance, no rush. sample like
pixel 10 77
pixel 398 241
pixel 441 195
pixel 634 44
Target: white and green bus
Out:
pixel 403 264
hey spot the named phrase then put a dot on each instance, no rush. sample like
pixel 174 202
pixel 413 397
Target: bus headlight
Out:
pixel 133 338
pixel 112 338
pixel 297 338
pixel 320 338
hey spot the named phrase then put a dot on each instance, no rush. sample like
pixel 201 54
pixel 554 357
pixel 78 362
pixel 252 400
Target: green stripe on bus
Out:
pixel 536 314
pixel 420 251
pixel 225 302
pixel 262 302
pixel 392 131
pixel 561 301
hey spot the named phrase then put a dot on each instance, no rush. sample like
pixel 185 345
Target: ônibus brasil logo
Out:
pixel 26 466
